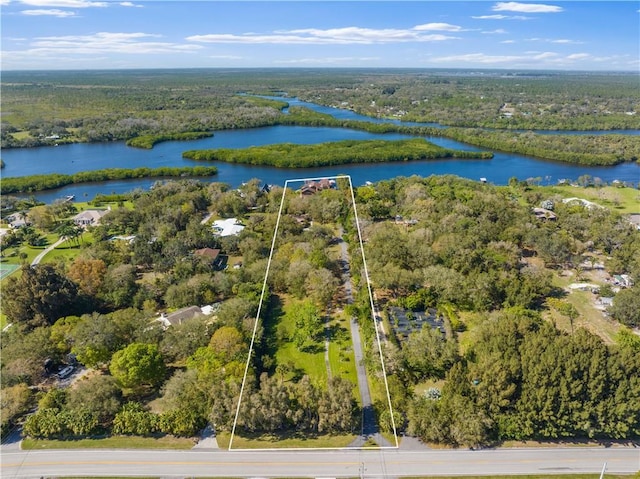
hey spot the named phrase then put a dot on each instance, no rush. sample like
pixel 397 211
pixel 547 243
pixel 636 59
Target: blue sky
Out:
pixel 93 34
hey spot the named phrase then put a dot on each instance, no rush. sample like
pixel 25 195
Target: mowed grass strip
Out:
pixel 341 356
pixel 284 440
pixel 111 442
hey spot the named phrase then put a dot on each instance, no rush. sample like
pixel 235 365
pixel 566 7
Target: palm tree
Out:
pixel 69 231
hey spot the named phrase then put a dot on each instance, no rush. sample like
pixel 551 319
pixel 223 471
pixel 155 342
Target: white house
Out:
pixel 227 227
pixel 186 314
pixel 89 217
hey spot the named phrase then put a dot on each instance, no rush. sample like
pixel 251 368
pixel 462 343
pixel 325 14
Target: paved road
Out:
pixel 49 248
pixel 369 422
pixel 343 463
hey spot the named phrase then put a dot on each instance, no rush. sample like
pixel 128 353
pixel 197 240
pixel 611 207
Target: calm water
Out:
pixel 82 157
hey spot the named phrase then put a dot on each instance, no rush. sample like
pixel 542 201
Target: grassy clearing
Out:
pixel 66 252
pixel 341 356
pixel 309 363
pixel 286 440
pixel 113 442
pixel 422 387
pixel 622 200
pixel 589 317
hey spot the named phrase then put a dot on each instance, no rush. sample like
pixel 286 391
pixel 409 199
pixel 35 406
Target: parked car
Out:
pixel 65 372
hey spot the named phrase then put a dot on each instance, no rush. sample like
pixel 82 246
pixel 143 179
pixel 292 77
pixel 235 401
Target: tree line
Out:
pixel 26 184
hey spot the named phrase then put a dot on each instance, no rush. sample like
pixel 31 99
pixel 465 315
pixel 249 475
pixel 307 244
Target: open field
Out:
pixel 622 200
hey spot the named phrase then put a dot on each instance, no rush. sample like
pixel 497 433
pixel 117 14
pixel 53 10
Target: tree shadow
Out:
pixel 269 344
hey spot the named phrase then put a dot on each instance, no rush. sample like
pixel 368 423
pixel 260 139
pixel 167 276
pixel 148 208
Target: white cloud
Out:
pixel 498 31
pixel 130 4
pixel 564 41
pixel 438 27
pixel 525 7
pixel 104 43
pixel 54 12
pixel 332 36
pixel 5 2
pixel 508 41
pixel 499 16
pixel 326 61
pixel 530 60
pixel 64 3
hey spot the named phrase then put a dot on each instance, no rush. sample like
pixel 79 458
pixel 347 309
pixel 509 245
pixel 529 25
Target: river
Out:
pixel 92 156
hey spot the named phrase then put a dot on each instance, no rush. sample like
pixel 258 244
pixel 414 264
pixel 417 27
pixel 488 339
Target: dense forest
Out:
pixel 144 107
pixel 513 362
pixel 290 155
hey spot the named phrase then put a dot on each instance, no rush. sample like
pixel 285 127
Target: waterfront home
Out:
pixel 313 187
pixel 89 217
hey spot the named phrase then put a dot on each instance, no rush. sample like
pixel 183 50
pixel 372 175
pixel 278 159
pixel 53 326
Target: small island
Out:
pixel 288 155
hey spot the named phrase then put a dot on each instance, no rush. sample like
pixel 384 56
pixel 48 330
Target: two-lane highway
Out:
pixel 341 463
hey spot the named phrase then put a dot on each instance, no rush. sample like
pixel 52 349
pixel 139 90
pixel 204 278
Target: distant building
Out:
pixel 128 239
pixel 211 256
pixel 634 219
pixel 185 314
pixel 586 203
pixel 17 220
pixel 313 187
pixel 89 217
pixel 544 214
pixel 227 227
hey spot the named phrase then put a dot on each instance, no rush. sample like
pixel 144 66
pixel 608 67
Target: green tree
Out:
pixel 321 286
pixel 427 354
pixel 119 285
pixel 98 394
pixel 308 322
pixel 134 419
pixel 38 296
pixel 182 422
pixel 138 365
pixel 45 423
pixel 626 307
pixel 228 343
pixel 337 408
pixel 14 401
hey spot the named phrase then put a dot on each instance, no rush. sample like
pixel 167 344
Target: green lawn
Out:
pixel 622 200
pixel 113 442
pixel 286 440
pixel 341 357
